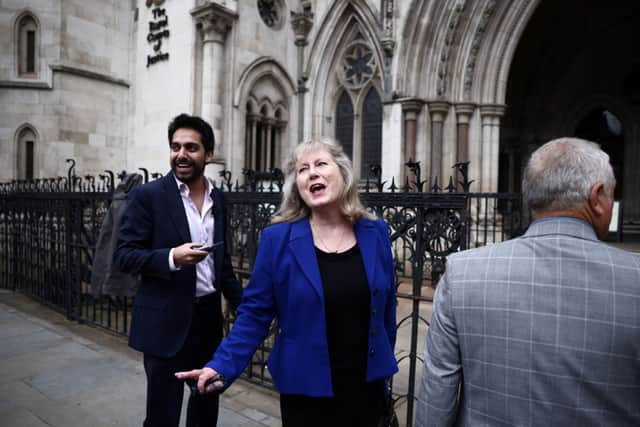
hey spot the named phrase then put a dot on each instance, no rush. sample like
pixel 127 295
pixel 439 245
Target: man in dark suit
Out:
pixel 177 315
pixel 542 330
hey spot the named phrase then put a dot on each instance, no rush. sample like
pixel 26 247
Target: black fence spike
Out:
pixel 451 187
pixel 435 187
pixel 393 187
pixel 145 174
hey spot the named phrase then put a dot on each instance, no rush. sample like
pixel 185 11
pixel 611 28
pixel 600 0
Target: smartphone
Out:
pixel 207 248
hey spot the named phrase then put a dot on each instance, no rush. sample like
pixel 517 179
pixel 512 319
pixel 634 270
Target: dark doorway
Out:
pixel 603 127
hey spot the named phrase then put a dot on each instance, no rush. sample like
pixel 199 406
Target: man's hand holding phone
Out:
pixel 192 252
pixel 207 248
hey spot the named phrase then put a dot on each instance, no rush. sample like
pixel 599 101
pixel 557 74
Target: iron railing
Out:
pixel 49 229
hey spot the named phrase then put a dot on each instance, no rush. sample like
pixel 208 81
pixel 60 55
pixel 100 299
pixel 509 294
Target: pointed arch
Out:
pixel 27 44
pixel 26 144
pixel 264 95
pixel 339 28
pixel 490 75
pixel 424 49
pixel 261 67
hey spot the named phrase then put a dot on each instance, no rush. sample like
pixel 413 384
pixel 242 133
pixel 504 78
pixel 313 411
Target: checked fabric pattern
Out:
pixel 542 330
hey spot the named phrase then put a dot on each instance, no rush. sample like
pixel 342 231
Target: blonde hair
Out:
pixel 293 208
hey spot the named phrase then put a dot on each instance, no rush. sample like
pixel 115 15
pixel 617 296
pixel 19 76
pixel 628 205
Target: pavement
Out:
pixel 57 372
pixel 60 373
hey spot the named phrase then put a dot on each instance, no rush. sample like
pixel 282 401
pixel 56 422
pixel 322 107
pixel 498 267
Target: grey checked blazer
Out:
pixel 542 330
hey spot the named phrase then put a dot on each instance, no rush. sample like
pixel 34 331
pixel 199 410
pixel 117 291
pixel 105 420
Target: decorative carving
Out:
pixel 475 47
pixel 443 67
pixel 388 43
pixel 271 12
pixel 214 21
pixel 358 65
pixel 301 22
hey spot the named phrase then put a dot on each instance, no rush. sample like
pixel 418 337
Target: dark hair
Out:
pixel 185 121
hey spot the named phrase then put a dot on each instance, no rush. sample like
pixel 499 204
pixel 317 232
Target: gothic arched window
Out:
pixel 264 138
pixel 358 111
pixel 26 153
pixel 371 131
pixel 27 43
pixel 344 123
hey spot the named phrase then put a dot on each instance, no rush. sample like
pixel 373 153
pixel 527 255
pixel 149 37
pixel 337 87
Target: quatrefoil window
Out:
pixel 358 65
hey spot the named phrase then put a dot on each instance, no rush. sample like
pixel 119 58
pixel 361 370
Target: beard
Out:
pixel 188 175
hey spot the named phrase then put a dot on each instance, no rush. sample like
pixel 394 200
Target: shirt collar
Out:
pixel 183 188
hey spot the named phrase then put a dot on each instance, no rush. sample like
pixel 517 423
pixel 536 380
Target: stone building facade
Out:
pixel 438 81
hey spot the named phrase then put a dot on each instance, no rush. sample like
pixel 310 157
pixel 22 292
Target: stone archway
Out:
pixel 571 64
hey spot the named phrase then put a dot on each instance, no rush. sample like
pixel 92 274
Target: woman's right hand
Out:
pixel 203 377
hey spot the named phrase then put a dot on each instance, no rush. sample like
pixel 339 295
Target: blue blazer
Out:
pixel 286 284
pixel 154 222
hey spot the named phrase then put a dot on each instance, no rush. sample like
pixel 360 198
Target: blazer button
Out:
pixel 372 352
pixel 375 291
pixel 374 332
pixel 374 312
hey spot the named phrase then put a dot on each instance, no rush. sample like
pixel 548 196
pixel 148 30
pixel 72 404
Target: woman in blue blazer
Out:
pixel 324 269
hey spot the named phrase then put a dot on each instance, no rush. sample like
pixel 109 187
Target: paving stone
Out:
pixel 58 357
pixel 57 373
pixel 28 343
pixel 254 414
pixel 15 327
pixel 228 418
pixel 84 379
pixel 19 417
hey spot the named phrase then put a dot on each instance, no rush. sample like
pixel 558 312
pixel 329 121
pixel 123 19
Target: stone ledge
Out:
pixel 61 68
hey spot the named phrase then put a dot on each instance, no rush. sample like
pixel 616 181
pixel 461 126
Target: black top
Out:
pixel 347 305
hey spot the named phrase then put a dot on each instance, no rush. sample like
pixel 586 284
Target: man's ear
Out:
pixel 208 156
pixel 597 198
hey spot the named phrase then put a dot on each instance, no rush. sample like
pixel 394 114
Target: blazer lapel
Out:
pixel 366 237
pixel 175 207
pixel 218 231
pixel 301 243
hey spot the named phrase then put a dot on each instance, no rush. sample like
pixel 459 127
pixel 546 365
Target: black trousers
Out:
pixel 353 406
pixel 165 391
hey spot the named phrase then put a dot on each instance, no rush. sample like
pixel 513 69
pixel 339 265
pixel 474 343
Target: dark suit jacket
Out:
pixel 286 284
pixel 154 222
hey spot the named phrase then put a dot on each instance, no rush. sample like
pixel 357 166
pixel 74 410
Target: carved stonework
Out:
pixel 464 111
pixel 271 12
pixel 358 65
pixel 492 110
pixel 214 21
pixel 475 47
pixel 443 66
pixel 438 110
pixel 301 22
pixel 388 42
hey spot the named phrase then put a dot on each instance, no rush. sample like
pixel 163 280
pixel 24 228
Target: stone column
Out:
pixel 438 110
pixel 489 220
pixel 268 138
pixel 214 22
pixel 410 109
pixel 491 115
pixel 250 160
pixel 464 111
pixel 301 22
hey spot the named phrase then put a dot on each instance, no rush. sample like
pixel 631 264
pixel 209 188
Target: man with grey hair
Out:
pixel 544 329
